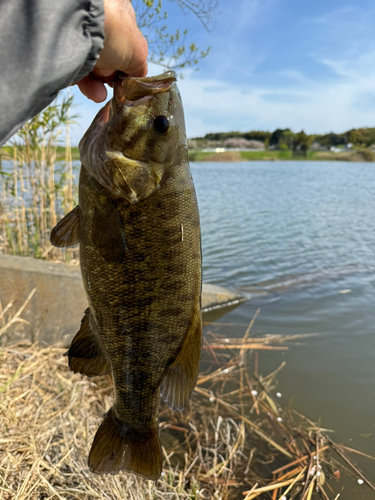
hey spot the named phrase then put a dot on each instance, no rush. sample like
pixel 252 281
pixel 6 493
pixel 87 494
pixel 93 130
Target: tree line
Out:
pixel 286 139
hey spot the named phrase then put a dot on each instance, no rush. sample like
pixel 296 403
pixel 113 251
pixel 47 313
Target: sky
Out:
pixel 298 64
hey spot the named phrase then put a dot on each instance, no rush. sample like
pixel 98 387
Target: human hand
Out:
pixel 125 49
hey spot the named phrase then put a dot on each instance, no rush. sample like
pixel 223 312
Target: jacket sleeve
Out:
pixel 45 45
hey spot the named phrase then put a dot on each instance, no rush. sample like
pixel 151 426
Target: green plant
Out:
pixel 36 187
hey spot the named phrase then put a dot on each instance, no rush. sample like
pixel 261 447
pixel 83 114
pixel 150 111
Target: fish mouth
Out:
pixel 133 92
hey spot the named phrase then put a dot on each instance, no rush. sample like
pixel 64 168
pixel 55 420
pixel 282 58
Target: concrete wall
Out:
pixel 56 309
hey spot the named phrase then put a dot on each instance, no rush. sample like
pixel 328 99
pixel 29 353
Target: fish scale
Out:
pixel 140 255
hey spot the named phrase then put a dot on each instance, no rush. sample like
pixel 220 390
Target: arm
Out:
pixel 125 49
pixel 44 46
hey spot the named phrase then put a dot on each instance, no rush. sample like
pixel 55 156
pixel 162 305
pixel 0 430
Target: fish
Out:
pixel 137 224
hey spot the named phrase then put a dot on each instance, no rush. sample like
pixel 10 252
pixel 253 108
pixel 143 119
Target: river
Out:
pixel 299 239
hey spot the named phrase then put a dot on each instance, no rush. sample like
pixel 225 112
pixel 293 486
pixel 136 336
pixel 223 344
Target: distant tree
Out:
pixel 302 142
pixel 332 139
pixel 254 135
pixel 276 136
pixel 286 139
pixel 363 137
pixel 289 139
pixel 257 135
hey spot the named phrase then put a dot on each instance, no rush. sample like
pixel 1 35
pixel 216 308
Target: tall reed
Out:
pixel 36 184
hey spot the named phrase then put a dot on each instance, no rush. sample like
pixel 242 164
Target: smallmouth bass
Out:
pixel 137 224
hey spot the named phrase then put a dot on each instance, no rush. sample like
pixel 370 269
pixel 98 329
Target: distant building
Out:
pixel 232 144
pixel 316 146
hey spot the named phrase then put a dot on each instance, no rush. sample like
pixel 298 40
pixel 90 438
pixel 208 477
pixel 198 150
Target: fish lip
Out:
pixel 96 128
pixel 104 114
pixel 131 91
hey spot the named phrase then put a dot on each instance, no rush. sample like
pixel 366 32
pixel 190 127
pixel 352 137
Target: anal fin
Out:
pixel 66 233
pixel 118 446
pixel 181 376
pixel 85 354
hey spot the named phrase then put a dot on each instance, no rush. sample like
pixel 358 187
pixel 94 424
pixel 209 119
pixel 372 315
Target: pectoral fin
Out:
pixel 85 354
pixel 66 233
pixel 182 374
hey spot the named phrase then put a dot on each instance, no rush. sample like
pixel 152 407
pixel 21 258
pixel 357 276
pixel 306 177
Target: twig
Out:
pixel 350 463
pixel 255 428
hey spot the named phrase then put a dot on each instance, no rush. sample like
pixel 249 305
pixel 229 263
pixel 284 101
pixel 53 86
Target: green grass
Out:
pixel 198 155
pixel 60 150
pixel 61 153
pixel 357 155
pixel 266 155
pixel 195 155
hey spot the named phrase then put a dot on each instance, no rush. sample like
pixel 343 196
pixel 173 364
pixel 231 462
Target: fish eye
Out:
pixel 161 124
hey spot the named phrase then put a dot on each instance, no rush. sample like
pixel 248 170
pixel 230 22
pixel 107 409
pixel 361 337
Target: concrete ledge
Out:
pixel 216 297
pixel 56 309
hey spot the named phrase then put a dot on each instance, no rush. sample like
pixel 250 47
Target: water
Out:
pixel 294 237
pixel 299 238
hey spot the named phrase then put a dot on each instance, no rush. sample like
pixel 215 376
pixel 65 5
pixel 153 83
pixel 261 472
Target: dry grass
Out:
pixel 234 440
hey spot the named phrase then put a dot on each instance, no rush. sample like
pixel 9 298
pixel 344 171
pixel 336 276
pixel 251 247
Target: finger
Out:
pixel 104 75
pixel 137 65
pixel 139 72
pixel 93 88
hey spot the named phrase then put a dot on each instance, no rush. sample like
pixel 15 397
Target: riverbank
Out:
pixel 364 155
pixel 237 438
pixel 54 298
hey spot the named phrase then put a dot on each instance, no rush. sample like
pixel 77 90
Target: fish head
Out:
pixel 138 138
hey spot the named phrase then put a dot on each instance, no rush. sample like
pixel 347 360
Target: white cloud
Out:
pixel 211 104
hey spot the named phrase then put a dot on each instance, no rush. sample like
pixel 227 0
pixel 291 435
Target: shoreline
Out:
pixel 356 156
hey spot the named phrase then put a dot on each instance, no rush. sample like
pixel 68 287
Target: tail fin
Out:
pixel 118 446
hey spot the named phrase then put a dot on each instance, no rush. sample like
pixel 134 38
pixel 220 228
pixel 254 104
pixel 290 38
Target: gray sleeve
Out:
pixel 45 45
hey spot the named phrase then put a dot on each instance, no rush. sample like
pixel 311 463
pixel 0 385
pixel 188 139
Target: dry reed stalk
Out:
pixel 34 195
pixel 351 464
pixel 355 451
pixel 16 211
pixel 53 217
pixel 212 450
pixel 69 171
pixel 40 159
pixel 245 347
pixel 23 211
pixel 16 318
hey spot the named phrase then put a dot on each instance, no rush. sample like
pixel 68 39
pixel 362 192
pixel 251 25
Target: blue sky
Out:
pixel 276 64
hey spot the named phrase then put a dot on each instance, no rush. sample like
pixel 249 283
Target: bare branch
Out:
pixel 205 10
pixel 172 50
